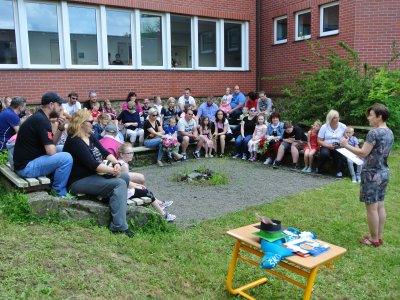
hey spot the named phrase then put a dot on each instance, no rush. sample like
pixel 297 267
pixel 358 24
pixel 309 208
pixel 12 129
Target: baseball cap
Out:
pixel 111 128
pixel 52 97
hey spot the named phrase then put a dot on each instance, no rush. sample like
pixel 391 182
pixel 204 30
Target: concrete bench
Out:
pixel 26 184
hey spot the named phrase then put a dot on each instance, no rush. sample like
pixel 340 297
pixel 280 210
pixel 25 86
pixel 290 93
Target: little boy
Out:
pixel 353 141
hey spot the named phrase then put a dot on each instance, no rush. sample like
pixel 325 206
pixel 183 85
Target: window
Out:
pixel 151 40
pixel 303 25
pixel 83 35
pixel 280 30
pixel 181 42
pixel 232 45
pixel 8 48
pixel 329 19
pixel 43 36
pixel 119 38
pixel 207 42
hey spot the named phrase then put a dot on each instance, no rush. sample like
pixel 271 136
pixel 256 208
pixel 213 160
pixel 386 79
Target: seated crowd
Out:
pixel 87 148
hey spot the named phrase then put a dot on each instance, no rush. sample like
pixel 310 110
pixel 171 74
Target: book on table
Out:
pixel 307 247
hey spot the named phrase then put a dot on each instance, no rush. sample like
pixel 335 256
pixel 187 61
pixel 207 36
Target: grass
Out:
pixel 66 260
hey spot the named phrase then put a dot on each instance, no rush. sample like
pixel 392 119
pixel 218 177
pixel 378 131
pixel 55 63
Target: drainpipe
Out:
pixel 258 44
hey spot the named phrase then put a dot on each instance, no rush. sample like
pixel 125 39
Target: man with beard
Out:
pixel 35 153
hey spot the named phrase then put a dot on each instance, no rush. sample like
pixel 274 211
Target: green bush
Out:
pixel 14 206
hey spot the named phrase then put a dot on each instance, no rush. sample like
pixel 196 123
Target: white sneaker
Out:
pixel 206 156
pixel 268 161
pixel 236 155
pixel 170 217
pixel 166 204
pixel 244 157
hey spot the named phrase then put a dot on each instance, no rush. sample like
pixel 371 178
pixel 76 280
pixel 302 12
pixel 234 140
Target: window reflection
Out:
pixel 207 44
pixel 119 38
pixel 83 35
pixel 151 40
pixel 233 45
pixel 8 49
pixel 43 36
pixel 181 42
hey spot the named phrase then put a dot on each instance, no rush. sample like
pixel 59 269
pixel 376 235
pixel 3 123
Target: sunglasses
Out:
pixel 89 121
pixel 252 110
pixel 74 98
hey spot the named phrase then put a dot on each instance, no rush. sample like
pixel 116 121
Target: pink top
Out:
pixel 225 107
pixel 110 144
pixel 260 131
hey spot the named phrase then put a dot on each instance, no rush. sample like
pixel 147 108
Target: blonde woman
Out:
pixel 88 155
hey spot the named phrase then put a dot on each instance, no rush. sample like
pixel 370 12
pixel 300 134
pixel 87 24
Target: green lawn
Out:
pixel 55 261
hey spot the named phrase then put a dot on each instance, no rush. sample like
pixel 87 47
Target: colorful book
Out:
pixel 303 247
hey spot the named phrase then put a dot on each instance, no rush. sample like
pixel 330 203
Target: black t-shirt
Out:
pixel 147 125
pixel 32 136
pixel 297 134
pixel 127 117
pixel 145 112
pixel 86 157
pixel 249 125
pixel 168 114
pixel 88 105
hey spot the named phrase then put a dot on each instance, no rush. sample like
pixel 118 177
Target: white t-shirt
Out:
pixel 226 123
pixel 71 109
pixel 186 126
pixel 331 136
pixel 184 101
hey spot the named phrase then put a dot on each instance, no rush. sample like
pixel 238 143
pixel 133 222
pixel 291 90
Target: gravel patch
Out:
pixel 193 203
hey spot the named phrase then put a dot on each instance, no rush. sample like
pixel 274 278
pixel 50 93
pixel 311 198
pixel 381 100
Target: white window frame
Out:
pixel 217 44
pixel 321 20
pixel 245 49
pixel 17 31
pixel 67 39
pixel 276 41
pixel 23 22
pixel 305 37
pixel 163 40
pixel 104 38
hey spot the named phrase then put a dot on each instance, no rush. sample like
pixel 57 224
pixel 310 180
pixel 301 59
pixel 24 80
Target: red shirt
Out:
pixel 251 103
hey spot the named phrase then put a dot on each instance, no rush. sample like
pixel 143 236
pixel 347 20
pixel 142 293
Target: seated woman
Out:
pixel 153 134
pixel 88 155
pixel 274 134
pixel 130 119
pixel 247 127
pixel 329 138
pixel 292 139
pixel 136 190
pixel 222 131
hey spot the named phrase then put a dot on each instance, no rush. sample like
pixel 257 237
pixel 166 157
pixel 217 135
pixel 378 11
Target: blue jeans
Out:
pixel 353 174
pixel 60 164
pixel 241 144
pixel 154 143
pixel 114 188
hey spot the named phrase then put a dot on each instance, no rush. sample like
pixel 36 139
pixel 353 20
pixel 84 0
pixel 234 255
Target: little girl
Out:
pixel 259 132
pixel 135 190
pixel 107 109
pixel 170 141
pixel 205 131
pixel 158 105
pixel 95 111
pixel 226 101
pixel 312 147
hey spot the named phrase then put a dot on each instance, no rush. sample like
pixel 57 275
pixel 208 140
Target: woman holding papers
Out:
pixel 375 172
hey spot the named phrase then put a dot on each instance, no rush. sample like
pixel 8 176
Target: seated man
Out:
pixel 207 109
pixel 237 104
pixel 72 106
pixel 292 139
pixel 187 133
pixel 35 153
pixel 9 120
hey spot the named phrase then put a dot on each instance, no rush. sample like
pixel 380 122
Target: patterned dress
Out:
pixel 375 172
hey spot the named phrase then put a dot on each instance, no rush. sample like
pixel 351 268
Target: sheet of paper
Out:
pixel 354 158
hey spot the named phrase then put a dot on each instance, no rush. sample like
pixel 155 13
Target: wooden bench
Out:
pixel 25 184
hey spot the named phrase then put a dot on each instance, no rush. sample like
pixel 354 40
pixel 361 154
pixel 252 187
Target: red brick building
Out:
pixel 160 47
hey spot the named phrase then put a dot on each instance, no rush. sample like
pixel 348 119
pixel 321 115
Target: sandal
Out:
pixel 365 241
pixel 368 237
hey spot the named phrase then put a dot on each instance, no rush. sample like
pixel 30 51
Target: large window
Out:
pixel 119 38
pixel 303 25
pixel 232 45
pixel 181 42
pixel 8 48
pixel 43 36
pixel 83 35
pixel 280 30
pixel 329 19
pixel 207 42
pixel 151 40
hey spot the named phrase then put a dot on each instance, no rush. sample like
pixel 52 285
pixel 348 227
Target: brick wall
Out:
pixel 115 85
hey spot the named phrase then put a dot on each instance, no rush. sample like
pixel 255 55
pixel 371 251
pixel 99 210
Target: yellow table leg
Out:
pixel 310 283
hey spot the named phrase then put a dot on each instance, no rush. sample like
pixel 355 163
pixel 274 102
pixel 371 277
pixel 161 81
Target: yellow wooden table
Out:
pixel 303 266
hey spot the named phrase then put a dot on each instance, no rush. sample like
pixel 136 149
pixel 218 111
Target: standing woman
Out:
pixel 222 131
pixel 375 172
pixel 90 176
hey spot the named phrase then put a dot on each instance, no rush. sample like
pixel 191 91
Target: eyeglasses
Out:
pixel 89 121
